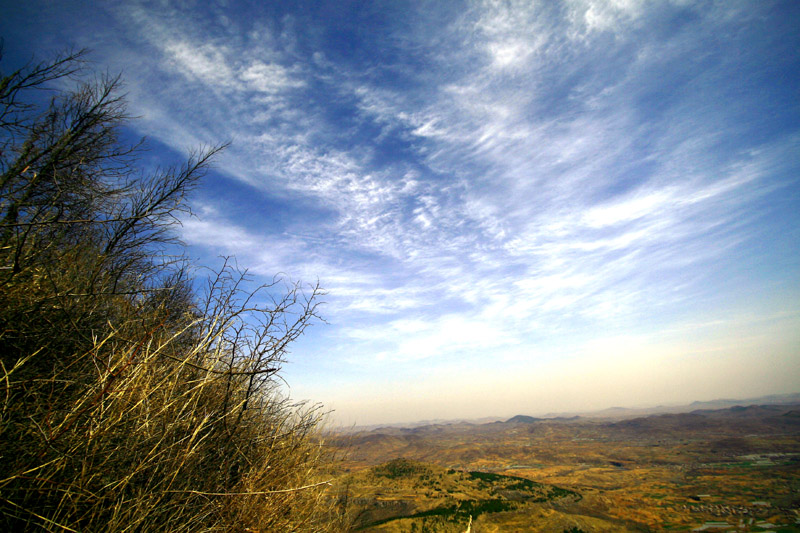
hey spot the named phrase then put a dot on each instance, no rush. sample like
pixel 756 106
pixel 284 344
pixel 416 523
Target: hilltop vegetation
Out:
pixel 133 397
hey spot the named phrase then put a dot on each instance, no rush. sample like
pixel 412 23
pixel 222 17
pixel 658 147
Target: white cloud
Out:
pixel 206 62
pixel 604 15
pixel 521 195
pixel 269 78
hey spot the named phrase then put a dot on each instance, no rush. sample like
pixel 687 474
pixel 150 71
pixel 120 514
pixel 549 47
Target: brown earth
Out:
pixel 675 472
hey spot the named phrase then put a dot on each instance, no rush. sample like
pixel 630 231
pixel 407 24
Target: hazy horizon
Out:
pixel 515 207
pixel 600 412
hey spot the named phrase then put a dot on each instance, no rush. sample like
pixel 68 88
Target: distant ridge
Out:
pixel 752 419
pixel 522 419
pixel 618 413
pixel 722 403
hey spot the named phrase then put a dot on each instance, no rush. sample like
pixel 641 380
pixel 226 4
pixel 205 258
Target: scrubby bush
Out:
pixel 131 399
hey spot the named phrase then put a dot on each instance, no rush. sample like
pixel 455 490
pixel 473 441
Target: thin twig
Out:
pixel 251 493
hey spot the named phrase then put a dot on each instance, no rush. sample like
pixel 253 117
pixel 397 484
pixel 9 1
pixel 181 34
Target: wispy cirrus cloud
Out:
pixel 512 177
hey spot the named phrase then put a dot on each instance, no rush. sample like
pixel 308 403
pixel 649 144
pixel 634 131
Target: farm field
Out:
pixel 732 469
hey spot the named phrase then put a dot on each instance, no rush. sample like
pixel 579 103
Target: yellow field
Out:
pixel 613 479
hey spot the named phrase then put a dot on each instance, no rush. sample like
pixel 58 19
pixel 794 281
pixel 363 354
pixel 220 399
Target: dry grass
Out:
pixel 151 434
pixel 130 400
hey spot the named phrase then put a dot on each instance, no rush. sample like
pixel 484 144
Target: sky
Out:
pixel 514 207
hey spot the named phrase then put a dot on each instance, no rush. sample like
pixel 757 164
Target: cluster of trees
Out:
pixel 133 397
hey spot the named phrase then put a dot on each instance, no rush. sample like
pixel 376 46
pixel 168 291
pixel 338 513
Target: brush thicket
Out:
pixel 132 400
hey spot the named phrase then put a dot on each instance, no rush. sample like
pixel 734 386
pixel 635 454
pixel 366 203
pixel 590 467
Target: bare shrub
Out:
pixel 130 400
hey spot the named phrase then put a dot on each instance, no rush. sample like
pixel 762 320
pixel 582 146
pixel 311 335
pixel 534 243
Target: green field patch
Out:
pixel 538 492
pixel 400 468
pixel 459 512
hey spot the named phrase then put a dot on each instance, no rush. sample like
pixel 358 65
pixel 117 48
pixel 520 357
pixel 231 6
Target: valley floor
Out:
pixel 727 470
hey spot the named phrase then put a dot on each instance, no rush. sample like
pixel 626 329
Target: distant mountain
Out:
pixel 522 419
pixel 749 411
pixel 727 429
pixel 753 419
pixel 670 422
pixel 694 407
pixel 614 413
pixel 773 399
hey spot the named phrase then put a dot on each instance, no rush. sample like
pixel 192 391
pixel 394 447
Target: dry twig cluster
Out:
pixel 130 400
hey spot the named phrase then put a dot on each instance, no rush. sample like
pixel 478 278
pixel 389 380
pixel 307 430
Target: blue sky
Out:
pixel 515 207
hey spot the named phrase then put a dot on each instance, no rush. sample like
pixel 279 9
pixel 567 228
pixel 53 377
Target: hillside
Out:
pixel 134 397
pixel 405 495
pixel 739 466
